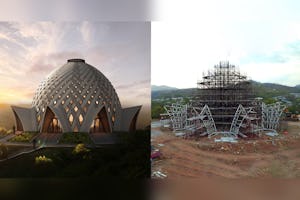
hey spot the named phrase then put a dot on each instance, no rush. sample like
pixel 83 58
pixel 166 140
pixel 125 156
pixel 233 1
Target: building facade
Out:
pixel 76 97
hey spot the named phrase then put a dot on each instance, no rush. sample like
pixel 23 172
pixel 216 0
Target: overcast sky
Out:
pixel 30 51
pixel 261 37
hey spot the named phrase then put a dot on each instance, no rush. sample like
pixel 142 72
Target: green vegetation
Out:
pixel 23 137
pixel 267 91
pixel 80 148
pixel 75 138
pixel 156 109
pixel 128 159
pixel 42 160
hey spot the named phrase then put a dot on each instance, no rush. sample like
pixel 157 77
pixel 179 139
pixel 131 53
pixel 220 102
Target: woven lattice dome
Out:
pixel 74 92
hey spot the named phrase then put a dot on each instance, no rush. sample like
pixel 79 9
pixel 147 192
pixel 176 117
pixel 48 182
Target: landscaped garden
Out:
pixel 23 137
pixel 75 138
pixel 128 159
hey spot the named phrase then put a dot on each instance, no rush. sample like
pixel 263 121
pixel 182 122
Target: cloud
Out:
pixel 87 31
pixel 46 63
pixel 31 50
pixel 134 84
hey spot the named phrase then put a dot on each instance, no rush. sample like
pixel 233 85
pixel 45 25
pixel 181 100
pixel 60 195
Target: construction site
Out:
pixel 224 105
pixel 223 116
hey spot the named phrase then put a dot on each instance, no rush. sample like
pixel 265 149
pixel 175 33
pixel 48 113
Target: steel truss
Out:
pixel 178 115
pixel 186 117
pixel 271 115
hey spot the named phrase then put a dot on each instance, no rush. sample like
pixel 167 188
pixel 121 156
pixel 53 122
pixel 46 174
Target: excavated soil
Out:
pixel 263 157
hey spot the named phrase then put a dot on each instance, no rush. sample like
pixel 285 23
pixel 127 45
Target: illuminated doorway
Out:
pixel 100 124
pixel 51 123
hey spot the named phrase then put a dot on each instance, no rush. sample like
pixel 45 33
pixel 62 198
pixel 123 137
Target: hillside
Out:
pixel 265 90
pixel 172 93
pixel 268 90
pixel 162 87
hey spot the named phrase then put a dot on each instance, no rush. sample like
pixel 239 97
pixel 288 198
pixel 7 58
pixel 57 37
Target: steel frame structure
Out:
pixel 178 115
pixel 225 105
pixel 271 115
pixel 223 89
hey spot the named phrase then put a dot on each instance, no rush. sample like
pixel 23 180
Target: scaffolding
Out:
pixel 224 105
pixel 223 90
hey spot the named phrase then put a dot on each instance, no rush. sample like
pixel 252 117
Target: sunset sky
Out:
pixel 30 51
pixel 261 37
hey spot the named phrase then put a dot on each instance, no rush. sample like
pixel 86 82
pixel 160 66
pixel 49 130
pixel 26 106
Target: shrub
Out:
pixel 80 149
pixel 42 160
pixel 24 137
pixel 73 138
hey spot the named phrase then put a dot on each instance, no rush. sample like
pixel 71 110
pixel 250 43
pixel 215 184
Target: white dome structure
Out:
pixel 76 97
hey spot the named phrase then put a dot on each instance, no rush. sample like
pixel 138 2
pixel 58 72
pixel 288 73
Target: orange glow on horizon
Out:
pixel 10 96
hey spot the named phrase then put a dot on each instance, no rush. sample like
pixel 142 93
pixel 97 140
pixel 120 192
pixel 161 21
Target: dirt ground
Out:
pixel 263 157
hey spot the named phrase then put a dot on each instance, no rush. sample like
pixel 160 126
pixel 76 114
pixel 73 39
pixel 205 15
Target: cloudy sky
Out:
pixel 261 37
pixel 120 50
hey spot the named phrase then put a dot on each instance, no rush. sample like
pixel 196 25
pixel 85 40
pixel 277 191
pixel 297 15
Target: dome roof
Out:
pixel 76 89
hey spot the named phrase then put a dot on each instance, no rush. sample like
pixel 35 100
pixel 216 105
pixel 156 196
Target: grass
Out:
pixel 24 137
pixel 129 159
pixel 75 138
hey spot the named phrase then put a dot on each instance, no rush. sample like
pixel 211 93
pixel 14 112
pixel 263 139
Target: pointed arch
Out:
pixel 51 123
pixel 132 126
pixel 18 122
pixel 100 123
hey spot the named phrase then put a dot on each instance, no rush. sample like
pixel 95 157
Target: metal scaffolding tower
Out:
pixel 223 90
pixel 224 105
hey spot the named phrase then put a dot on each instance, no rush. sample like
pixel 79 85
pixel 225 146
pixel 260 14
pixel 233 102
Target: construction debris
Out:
pixel 159 174
pixel 226 139
pixel 272 134
pixel 179 134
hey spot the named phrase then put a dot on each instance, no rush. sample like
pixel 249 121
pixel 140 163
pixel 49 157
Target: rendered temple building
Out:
pixel 76 97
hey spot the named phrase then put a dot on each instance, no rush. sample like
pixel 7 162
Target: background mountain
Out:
pixel 265 90
pixel 162 88
pixel 270 92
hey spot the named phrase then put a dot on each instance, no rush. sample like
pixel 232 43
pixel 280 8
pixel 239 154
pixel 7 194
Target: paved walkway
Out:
pixel 51 140
pixel 4 139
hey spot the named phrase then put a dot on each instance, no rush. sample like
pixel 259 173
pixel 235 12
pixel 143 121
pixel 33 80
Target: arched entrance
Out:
pixel 100 124
pixel 51 123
